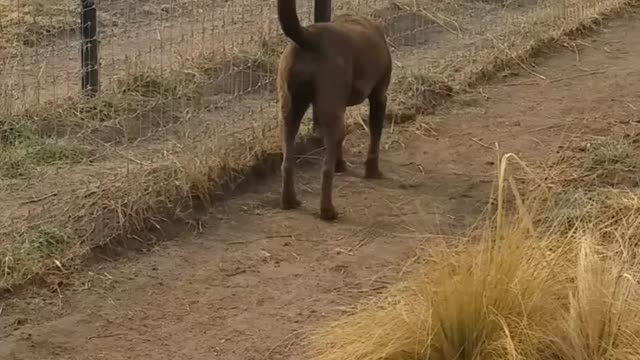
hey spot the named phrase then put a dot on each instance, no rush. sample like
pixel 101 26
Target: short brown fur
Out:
pixel 331 66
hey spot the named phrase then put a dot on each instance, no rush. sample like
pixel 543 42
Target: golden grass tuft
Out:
pixel 526 286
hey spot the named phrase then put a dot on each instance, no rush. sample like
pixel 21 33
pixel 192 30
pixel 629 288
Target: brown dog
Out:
pixel 332 66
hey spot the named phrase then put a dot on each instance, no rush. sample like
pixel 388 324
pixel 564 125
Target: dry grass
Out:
pixel 139 202
pixel 133 202
pixel 29 23
pixel 594 184
pixel 147 101
pixel 26 156
pixel 529 285
pixel 25 23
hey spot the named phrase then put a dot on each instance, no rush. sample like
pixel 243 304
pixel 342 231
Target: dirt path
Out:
pixel 257 277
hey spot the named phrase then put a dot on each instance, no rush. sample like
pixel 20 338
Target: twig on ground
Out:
pixel 551 81
pixel 428 128
pixel 576 76
pixel 102 336
pixel 364 126
pixel 572 47
pixel 547 127
pixel 38 199
pixel 278 237
pixel 457 33
pixel 523 83
pixel 482 144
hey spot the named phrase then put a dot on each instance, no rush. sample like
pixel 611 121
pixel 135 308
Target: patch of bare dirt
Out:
pixel 250 285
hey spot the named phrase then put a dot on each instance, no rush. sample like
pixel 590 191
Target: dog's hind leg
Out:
pixel 341 165
pixel 334 132
pixel 377 110
pixel 292 110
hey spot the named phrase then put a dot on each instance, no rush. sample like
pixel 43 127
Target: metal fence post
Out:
pixel 321 11
pixel 89 50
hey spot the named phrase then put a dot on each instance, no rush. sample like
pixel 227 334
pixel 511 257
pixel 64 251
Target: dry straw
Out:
pixel 536 287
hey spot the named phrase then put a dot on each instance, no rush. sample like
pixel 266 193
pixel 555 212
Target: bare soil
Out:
pixel 257 278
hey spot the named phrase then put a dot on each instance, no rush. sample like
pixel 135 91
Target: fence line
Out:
pixel 49 50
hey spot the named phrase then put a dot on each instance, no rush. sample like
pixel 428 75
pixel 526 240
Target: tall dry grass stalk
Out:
pixel 526 290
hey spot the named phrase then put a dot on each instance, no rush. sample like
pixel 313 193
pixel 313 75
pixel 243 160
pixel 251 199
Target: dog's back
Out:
pixel 346 33
pixel 355 24
pixel 366 44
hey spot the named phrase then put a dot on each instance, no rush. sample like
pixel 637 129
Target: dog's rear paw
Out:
pixel 290 203
pixel 341 166
pixel 328 214
pixel 373 174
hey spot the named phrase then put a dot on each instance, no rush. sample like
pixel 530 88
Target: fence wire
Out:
pixel 225 50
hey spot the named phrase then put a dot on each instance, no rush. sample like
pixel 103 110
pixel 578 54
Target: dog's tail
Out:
pixel 290 24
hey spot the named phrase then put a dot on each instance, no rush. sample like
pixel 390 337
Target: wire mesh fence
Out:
pixel 229 47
